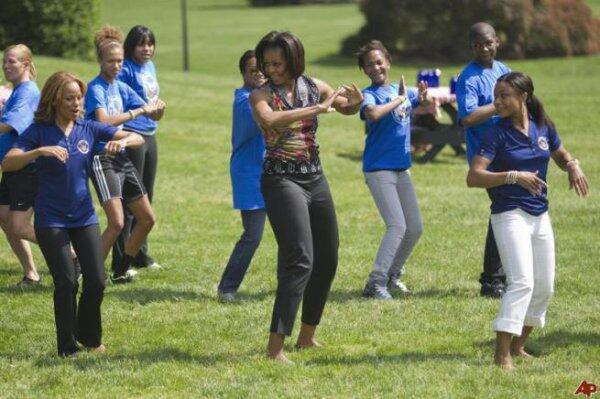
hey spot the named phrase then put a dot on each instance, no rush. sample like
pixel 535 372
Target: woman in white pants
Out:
pixel 512 165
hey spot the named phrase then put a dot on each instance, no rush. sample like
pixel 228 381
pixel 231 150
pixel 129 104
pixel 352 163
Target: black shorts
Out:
pixel 114 176
pixel 18 189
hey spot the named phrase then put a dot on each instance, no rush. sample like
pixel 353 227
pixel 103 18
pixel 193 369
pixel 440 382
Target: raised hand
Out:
pixel 422 86
pixel 55 151
pixel 578 180
pixel 352 94
pixel 531 182
pixel 402 87
pixel 325 105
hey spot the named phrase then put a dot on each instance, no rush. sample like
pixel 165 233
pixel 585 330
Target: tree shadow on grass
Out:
pixel 548 343
pixel 39 289
pixel 144 296
pixel 167 354
pixel 356 294
pixel 408 357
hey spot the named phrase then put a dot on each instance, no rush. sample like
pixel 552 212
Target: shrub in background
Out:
pixel 439 28
pixel 61 28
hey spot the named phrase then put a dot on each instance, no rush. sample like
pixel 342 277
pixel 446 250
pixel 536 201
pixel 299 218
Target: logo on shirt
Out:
pixel 402 111
pixel 543 143
pixel 83 146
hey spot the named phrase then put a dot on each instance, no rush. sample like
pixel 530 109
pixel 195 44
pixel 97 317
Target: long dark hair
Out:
pixel 523 84
pixel 137 35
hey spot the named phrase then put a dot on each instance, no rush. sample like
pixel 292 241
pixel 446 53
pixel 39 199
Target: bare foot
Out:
pixel 307 343
pixel 98 349
pixel 505 362
pixel 279 357
pixel 520 352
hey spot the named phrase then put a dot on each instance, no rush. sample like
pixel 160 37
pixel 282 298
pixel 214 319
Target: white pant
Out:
pixel 526 246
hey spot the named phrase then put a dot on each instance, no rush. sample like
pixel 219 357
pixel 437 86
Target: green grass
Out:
pixel 168 336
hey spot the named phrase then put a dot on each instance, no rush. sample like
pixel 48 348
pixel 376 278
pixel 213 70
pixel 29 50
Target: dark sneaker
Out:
pixel 121 278
pixel 227 297
pixel 396 285
pixel 494 289
pixel 376 291
pixel 26 283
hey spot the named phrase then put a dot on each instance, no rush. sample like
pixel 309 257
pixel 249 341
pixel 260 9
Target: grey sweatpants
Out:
pixel 396 200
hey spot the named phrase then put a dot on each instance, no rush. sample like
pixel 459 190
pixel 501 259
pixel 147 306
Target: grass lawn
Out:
pixel 166 334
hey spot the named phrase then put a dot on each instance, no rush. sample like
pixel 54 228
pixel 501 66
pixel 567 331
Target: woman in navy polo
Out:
pixel 512 164
pixel 62 143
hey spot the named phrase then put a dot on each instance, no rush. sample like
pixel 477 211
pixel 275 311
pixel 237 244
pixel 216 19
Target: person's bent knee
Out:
pixel 115 225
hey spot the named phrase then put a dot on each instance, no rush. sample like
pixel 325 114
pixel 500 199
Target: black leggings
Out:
pixel 145 160
pixel 75 323
pixel 492 266
pixel 302 215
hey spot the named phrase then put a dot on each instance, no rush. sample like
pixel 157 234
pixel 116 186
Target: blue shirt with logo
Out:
pixel 387 145
pixel 63 197
pixel 475 88
pixel 18 113
pixel 142 79
pixel 510 149
pixel 115 98
pixel 248 152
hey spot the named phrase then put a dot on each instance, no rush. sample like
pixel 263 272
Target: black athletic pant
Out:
pixel 75 323
pixel 145 160
pixel 302 215
pixel 491 260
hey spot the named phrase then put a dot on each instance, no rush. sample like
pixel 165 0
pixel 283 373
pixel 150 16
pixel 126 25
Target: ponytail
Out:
pixel 523 84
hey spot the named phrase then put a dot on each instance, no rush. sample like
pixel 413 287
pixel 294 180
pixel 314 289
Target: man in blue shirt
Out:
pixel 476 113
pixel 245 168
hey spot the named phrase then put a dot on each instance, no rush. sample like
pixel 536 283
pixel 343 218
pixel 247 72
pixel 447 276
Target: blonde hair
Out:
pixel 107 38
pixel 52 91
pixel 25 55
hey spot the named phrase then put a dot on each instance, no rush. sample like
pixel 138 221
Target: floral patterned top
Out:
pixel 292 149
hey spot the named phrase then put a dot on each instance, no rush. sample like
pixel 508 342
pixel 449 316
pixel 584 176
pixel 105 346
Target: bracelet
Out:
pixel 131 114
pixel 511 177
pixel 573 161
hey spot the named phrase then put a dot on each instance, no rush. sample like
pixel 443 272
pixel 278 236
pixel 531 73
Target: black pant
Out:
pixel 145 160
pixel 302 215
pixel 75 323
pixel 491 260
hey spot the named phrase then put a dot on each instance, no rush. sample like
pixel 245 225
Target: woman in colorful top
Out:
pixel 139 73
pixel 386 161
pixel 296 193
pixel 115 178
pixel 62 143
pixel 512 163
pixel 18 189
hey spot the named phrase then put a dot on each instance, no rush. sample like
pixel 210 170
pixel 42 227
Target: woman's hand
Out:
pixel 577 179
pixel 352 94
pixel 55 151
pixel 115 146
pixel 531 182
pixel 325 106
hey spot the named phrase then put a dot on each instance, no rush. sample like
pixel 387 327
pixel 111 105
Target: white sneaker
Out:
pixel 131 272
pixel 154 266
pixel 394 284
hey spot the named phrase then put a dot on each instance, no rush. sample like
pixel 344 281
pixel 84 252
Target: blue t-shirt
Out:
pixel 115 98
pixel 248 152
pixel 509 149
pixel 475 88
pixel 18 113
pixel 387 145
pixel 142 79
pixel 63 198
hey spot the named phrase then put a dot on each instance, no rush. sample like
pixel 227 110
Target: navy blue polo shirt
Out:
pixel 509 149
pixel 63 198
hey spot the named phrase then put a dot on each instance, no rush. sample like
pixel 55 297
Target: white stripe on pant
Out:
pixel 395 197
pixel 526 246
